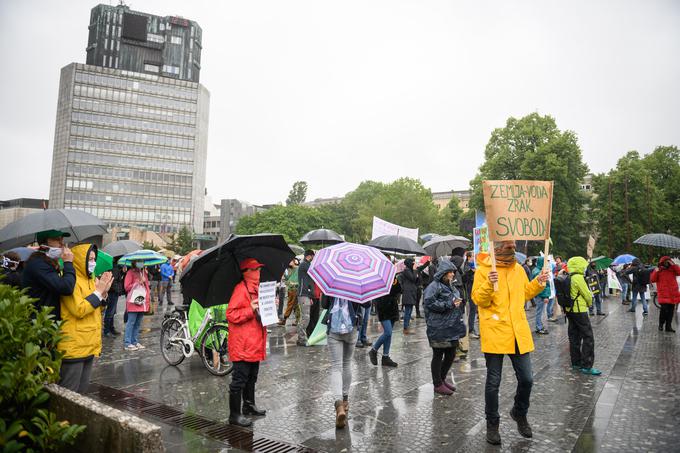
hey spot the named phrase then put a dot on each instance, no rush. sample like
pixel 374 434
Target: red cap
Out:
pixel 250 263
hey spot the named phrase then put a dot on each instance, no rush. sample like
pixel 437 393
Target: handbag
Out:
pixel 138 295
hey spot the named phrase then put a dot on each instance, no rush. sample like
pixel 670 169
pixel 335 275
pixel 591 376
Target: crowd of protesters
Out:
pixel 462 297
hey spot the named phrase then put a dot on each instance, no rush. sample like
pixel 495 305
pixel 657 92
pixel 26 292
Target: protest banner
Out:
pixel 383 228
pixel 481 240
pixel 590 247
pixel 267 303
pixel 517 210
pixel 613 281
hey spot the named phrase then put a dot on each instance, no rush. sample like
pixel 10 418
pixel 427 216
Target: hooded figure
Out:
pixel 82 322
pixel 581 340
pixel 409 291
pixel 665 277
pixel 444 320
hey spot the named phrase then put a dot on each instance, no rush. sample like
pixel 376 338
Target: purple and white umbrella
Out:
pixel 351 271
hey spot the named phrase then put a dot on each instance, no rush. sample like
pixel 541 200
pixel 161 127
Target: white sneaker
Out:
pixel 139 346
pixel 131 347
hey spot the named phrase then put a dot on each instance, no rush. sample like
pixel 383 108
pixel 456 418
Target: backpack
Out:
pixel 563 291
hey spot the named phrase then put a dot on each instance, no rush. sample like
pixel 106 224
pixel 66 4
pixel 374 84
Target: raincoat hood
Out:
pixel 577 265
pixel 80 253
pixel 663 259
pixel 444 268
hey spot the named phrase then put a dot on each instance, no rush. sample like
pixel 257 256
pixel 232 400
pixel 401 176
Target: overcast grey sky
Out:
pixel 334 93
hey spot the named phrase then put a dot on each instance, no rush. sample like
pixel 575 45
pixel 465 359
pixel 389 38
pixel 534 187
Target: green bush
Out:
pixel 28 360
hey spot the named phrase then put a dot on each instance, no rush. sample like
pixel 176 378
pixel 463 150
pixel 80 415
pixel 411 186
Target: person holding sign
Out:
pixel 247 343
pixel 504 330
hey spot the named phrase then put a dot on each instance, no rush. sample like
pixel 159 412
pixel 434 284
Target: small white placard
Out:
pixel 267 303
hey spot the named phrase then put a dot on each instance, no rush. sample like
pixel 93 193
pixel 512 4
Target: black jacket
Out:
pixel 409 286
pixel 640 275
pixel 44 282
pixel 306 284
pixel 11 277
pixel 387 306
pixel 444 320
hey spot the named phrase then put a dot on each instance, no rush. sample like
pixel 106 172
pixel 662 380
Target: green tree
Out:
pixel 628 202
pixel 290 221
pixel 405 202
pixel 182 242
pixel 534 148
pixel 450 217
pixel 298 194
pixel 28 347
pixel 148 245
pixel 663 165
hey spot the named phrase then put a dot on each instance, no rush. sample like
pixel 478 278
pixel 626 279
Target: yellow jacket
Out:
pixel 502 319
pixel 81 312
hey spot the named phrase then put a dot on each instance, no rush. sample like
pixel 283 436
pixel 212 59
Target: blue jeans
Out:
pixel 365 313
pixel 111 304
pixel 494 366
pixel 641 292
pixel 551 305
pixel 597 299
pixel 408 309
pixel 624 291
pixel 134 322
pixel 540 306
pixel 385 339
pixel 472 314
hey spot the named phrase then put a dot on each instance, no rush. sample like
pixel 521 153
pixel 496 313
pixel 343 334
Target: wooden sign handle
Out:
pixel 492 255
pixel 546 264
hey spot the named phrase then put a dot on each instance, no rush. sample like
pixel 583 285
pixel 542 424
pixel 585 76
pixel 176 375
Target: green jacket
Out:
pixel 580 292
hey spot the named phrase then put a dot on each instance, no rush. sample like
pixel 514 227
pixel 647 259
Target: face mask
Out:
pixel 54 253
pixel 90 266
pixel 139 265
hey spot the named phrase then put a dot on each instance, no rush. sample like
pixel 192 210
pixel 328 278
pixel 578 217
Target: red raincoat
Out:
pixel 247 335
pixel 666 282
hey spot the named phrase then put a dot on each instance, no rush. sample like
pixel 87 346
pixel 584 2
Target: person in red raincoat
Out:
pixel 247 343
pixel 667 290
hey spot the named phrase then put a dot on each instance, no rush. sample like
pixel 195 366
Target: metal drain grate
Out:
pixel 163 412
pixel 235 436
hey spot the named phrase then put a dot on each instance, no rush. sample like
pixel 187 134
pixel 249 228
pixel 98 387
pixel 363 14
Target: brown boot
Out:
pixel 340 414
pixel 346 403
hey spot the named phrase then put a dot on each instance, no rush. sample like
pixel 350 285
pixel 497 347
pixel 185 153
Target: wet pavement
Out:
pixel 633 406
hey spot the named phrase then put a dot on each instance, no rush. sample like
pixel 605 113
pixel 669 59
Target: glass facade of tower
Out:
pixel 130 148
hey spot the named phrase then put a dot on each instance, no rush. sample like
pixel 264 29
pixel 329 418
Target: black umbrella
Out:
pixel 80 224
pixel 321 237
pixel 211 278
pixel 398 244
pixel 445 245
pixel 120 248
pixel 665 241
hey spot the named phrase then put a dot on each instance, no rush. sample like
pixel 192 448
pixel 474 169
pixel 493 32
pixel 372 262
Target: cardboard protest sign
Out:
pixel 481 240
pixel 518 210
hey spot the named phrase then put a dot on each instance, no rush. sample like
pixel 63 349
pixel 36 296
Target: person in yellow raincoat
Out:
pixel 81 313
pixel 504 330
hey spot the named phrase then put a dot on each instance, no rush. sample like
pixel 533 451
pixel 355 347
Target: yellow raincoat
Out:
pixel 81 312
pixel 502 319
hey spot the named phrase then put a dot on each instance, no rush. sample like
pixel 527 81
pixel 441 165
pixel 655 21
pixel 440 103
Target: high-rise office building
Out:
pixel 131 132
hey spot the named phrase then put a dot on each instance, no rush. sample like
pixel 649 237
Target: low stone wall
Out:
pixel 108 429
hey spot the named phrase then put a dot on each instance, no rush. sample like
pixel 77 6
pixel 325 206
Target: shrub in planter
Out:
pixel 28 360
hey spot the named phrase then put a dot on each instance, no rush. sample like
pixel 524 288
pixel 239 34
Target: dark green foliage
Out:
pixel 28 341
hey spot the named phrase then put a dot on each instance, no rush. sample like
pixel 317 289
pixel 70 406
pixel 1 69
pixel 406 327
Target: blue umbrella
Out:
pixel 23 252
pixel 148 257
pixel 623 259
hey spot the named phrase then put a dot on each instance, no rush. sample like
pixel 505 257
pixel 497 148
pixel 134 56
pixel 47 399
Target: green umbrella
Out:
pixel 104 263
pixel 602 262
pixel 148 257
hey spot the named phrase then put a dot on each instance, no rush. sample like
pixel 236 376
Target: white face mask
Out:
pixel 139 265
pixel 90 266
pixel 54 252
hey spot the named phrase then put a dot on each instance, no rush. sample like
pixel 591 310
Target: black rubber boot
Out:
pixel 249 407
pixel 386 361
pixel 492 435
pixel 522 424
pixel 235 417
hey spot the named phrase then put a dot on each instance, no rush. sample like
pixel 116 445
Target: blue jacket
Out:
pixel 545 294
pixel 42 278
pixel 167 272
pixel 444 320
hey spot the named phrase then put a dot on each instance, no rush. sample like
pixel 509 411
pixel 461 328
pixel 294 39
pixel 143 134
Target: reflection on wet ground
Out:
pixel 633 406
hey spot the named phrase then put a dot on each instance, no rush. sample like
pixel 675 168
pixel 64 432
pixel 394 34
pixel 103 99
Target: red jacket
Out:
pixel 136 276
pixel 666 282
pixel 247 335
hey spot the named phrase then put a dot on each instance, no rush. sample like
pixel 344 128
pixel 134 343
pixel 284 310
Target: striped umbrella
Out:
pixel 148 257
pixel 351 271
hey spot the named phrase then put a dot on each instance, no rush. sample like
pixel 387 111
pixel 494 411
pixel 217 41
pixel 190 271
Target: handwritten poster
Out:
pixel 267 298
